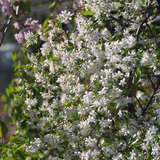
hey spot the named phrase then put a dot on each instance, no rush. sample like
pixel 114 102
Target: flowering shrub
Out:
pixel 90 89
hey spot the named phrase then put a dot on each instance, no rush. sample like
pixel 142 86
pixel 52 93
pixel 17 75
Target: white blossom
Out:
pixel 65 16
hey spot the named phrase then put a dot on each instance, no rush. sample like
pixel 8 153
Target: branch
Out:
pixel 144 21
pixel 140 27
pixel 149 77
pixel 149 102
pixel 5 29
pixel 130 107
pixel 151 98
pixel 139 102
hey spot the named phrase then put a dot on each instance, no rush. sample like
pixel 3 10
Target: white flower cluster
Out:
pixel 30 37
pixel 79 88
pixel 65 16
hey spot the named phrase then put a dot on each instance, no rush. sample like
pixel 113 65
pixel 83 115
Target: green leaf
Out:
pixel 67 104
pixel 143 1
pixel 14 56
pixel 87 13
pixel 136 143
pixel 107 143
pixel 45 23
pixel 27 44
pixel 74 115
pixel 99 84
pixel 4 98
pixel 9 91
pixel 52 58
pixel 148 156
pixel 1 134
pixel 24 49
pixel 58 133
pixel 137 76
pixel 26 115
pixel 5 107
pixel 138 71
pixel 19 148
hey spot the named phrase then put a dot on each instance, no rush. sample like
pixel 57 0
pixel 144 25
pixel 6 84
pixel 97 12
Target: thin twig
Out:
pixel 153 86
pixel 149 102
pixel 139 102
pixel 140 27
pixel 151 98
pixel 144 21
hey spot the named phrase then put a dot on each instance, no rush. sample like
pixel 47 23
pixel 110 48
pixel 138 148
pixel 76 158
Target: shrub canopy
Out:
pixel 88 85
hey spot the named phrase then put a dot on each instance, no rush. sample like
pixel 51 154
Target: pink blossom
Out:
pixel 5 2
pixel 32 24
pixel 16 25
pixel 20 37
pixel 46 45
pixel 28 22
pixel 6 7
pixel 7 10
